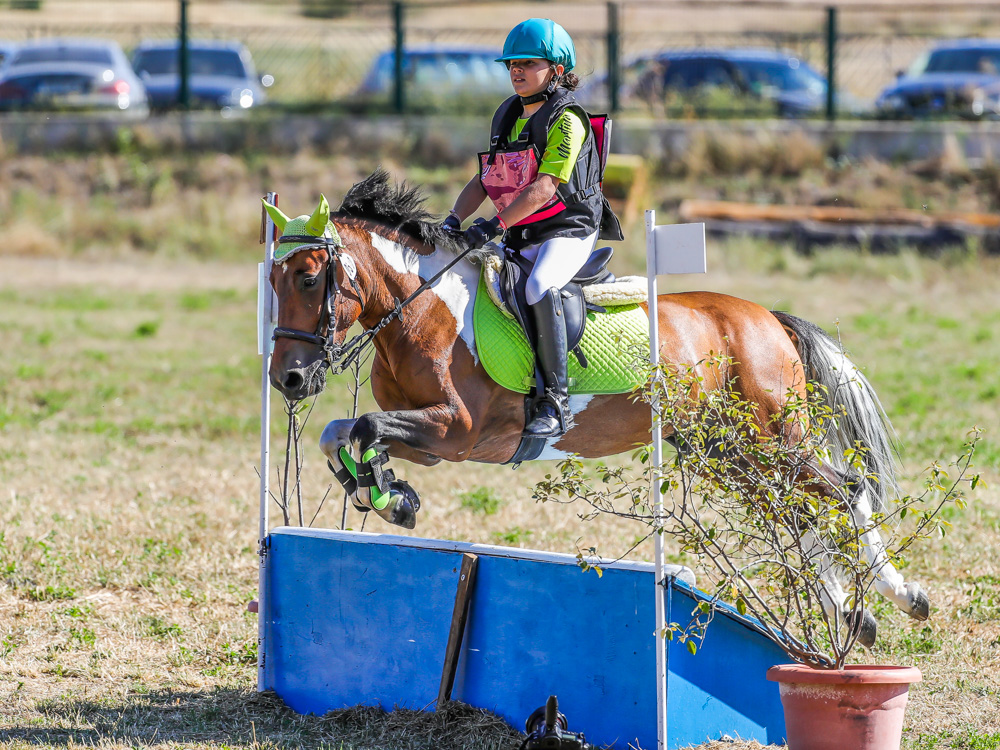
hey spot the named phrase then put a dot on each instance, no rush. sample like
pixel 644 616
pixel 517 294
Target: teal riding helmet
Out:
pixel 540 38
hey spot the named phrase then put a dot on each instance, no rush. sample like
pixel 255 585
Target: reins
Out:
pixel 339 357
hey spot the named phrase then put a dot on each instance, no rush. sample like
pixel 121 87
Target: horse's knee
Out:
pixel 364 433
pixel 336 434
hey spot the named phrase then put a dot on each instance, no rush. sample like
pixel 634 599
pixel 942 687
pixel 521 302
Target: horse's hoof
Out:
pixel 403 504
pixel 920 603
pixel 865 625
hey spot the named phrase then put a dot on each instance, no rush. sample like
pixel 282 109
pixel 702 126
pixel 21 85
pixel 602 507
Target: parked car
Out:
pixel 439 70
pixel 71 74
pixel 221 74
pixel 772 76
pixel 944 80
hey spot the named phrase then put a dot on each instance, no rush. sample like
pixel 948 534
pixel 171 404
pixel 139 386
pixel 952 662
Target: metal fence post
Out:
pixel 183 95
pixel 399 93
pixel 614 54
pixel 831 63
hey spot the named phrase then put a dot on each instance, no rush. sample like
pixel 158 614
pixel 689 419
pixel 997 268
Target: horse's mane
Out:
pixel 396 205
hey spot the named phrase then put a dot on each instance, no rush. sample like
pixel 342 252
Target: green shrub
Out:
pixel 481 500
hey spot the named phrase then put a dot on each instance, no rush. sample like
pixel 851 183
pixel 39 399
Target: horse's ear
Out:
pixel 319 219
pixel 277 217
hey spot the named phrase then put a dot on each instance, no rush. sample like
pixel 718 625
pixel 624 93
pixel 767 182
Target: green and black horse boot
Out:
pixel 394 500
pixel 551 417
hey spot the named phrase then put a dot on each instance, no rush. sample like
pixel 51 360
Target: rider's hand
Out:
pixel 452 225
pixel 482 231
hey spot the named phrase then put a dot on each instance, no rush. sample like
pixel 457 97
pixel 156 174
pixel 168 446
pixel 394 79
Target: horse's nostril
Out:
pixel 293 380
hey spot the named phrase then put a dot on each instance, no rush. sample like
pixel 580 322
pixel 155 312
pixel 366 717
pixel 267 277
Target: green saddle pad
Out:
pixel 613 343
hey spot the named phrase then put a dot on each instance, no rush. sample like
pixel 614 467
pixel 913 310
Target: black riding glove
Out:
pixel 482 231
pixel 452 225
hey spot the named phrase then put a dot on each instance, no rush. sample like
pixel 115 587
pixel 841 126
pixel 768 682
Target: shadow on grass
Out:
pixel 237 718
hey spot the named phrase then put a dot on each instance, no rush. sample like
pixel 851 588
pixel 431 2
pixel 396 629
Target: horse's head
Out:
pixel 316 286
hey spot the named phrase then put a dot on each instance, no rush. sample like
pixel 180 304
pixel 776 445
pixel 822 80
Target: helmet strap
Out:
pixel 544 94
pixel 541 96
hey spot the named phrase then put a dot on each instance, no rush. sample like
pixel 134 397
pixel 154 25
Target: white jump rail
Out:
pixel 670 249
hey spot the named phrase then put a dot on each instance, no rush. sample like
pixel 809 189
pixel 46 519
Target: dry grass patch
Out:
pixel 128 511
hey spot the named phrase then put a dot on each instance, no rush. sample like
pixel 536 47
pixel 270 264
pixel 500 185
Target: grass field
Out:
pixel 129 387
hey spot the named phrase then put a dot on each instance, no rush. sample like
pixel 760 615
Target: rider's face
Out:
pixel 530 76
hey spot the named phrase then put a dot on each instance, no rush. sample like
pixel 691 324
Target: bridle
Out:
pixel 338 357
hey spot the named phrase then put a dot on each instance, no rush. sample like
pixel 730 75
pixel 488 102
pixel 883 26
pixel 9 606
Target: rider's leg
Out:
pixel 556 262
pixel 552 416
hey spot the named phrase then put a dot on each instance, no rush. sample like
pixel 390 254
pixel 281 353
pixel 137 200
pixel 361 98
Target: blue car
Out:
pixel 221 75
pixel 775 76
pixel 947 80
pixel 6 50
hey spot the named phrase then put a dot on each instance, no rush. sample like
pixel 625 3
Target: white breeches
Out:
pixel 556 262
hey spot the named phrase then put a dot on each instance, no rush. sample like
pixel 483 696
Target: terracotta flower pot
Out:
pixel 859 707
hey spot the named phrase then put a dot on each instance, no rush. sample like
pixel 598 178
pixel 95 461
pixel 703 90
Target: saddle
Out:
pixel 514 275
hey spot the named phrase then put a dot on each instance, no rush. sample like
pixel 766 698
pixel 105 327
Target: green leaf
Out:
pixel 741 606
pixel 692 647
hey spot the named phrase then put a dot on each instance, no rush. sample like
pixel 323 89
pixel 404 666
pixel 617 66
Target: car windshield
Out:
pixel 455 68
pixel 790 75
pixel 29 55
pixel 473 71
pixel 202 62
pixel 973 60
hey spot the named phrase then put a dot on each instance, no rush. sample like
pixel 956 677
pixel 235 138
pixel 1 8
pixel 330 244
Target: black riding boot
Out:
pixel 551 417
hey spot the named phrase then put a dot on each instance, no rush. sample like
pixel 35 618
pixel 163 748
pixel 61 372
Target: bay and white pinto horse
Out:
pixel 438 402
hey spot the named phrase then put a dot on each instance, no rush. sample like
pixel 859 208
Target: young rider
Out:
pixel 542 173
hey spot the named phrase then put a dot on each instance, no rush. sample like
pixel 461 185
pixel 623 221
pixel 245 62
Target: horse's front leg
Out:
pixel 336 444
pixel 362 474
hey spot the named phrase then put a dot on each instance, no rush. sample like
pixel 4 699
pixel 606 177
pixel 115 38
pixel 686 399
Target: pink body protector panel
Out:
pixel 507 177
pixel 512 171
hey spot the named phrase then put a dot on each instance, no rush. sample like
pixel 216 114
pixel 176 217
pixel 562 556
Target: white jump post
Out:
pixel 267 310
pixel 670 249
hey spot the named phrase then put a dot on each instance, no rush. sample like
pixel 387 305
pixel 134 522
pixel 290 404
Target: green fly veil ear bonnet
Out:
pixel 301 227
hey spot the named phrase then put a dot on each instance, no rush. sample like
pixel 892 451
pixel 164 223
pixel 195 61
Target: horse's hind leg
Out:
pixel 909 597
pixel 832 595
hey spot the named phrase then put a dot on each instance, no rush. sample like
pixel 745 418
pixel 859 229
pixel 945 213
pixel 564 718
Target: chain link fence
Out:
pixel 347 62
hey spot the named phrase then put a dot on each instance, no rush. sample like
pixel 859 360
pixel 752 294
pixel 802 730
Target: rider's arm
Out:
pixel 565 141
pixel 536 195
pixel 470 199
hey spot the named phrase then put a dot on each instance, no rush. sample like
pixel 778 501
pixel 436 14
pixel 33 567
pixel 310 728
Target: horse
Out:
pixel 381 261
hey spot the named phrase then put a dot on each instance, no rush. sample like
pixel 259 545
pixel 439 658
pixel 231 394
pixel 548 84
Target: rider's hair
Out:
pixel 570 81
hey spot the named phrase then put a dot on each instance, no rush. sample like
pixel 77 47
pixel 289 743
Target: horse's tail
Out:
pixel 863 420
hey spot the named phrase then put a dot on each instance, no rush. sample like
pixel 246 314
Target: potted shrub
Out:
pixel 779 540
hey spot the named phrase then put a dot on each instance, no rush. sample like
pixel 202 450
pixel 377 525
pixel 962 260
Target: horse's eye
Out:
pixel 310 281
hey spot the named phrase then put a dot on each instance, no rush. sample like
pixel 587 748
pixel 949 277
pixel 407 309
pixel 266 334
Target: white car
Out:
pixel 71 75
